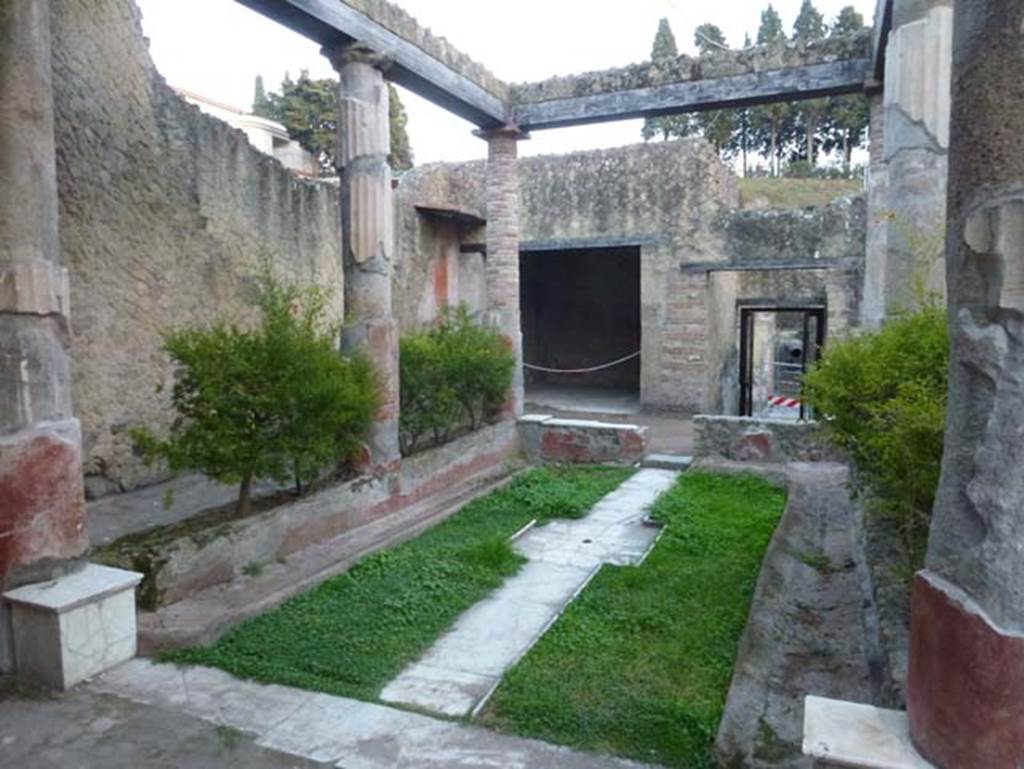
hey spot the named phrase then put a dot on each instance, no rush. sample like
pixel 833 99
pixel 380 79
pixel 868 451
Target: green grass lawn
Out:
pixel 639 666
pixel 355 632
pixel 783 192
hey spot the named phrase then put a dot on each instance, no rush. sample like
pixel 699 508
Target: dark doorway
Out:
pixel 777 345
pixel 580 313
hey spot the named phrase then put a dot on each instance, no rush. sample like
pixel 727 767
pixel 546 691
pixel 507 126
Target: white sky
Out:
pixel 217 47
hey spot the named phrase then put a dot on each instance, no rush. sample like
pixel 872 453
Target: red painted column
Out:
pixel 503 311
pixel 42 507
pixel 965 691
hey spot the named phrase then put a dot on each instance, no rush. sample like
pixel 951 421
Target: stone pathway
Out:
pixel 336 731
pixel 457 675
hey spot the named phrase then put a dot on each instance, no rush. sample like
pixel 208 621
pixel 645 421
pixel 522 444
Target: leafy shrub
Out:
pixel 453 375
pixel 276 401
pixel 882 398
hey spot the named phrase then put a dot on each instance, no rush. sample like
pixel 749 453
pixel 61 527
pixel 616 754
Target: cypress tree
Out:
pixel 716 126
pixel 665 51
pixel 809 26
pixel 400 157
pixel 848 116
pixel 770 125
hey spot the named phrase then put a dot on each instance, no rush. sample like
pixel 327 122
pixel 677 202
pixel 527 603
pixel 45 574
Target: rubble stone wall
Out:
pixel 165 216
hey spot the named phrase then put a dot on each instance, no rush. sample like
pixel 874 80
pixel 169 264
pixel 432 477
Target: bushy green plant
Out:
pixel 274 401
pixel 454 374
pixel 881 397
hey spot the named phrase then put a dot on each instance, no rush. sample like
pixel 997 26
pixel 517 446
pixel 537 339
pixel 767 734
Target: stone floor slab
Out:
pixel 342 732
pixel 490 637
pixel 439 690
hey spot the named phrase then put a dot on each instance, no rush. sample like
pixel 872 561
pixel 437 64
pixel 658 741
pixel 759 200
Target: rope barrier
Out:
pixel 581 370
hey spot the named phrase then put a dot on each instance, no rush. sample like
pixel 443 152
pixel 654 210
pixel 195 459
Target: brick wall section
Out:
pixel 684 340
pixel 502 191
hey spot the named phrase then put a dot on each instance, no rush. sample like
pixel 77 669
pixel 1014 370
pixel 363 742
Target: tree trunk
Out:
pixel 244 497
pixel 774 160
pixel 847 152
pixel 810 127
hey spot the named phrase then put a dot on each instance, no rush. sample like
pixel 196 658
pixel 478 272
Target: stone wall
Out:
pixel 747 439
pixel 700 258
pixel 559 441
pixel 667 198
pixel 824 246
pixel 687 68
pixel 165 216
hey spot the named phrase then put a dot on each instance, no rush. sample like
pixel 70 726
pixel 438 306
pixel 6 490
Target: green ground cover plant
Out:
pixel 275 400
pixel 639 665
pixel 355 632
pixel 453 375
pixel 881 397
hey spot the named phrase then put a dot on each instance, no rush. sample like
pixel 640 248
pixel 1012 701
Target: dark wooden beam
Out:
pixel 880 38
pixel 792 84
pixel 330 21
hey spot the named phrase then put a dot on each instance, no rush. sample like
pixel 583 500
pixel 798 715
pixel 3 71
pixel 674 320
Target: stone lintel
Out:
pixel 37 287
pixel 849 734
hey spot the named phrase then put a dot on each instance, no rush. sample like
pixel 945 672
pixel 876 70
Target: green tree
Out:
pixel 308 109
pixel 742 121
pixel 717 126
pixel 665 51
pixel 261 105
pixel 771 125
pixel 848 116
pixel 274 401
pixel 809 26
pixel 456 374
pixel 883 398
pixel 771 30
pixel 400 157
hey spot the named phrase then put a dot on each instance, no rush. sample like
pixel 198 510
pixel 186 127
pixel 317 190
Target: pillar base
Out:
pixel 965 688
pixel 74 627
pixel 849 734
pixel 42 513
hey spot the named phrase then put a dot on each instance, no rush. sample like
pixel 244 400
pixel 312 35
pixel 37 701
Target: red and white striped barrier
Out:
pixel 782 400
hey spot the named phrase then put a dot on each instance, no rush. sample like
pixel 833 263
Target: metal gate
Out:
pixel 777 345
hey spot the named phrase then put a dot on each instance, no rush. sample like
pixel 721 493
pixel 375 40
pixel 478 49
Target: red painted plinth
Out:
pixel 42 509
pixel 965 689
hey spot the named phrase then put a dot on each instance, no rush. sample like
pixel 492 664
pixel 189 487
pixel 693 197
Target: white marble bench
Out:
pixel 73 627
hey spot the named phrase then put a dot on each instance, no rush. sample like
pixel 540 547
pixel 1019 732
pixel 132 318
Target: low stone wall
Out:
pixel 747 439
pixel 181 560
pixel 546 439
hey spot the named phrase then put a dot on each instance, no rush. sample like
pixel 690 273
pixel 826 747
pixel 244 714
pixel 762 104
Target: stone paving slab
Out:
pixel 345 733
pixel 85 729
pixel 464 666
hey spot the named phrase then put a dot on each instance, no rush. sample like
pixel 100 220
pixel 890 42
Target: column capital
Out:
pixel 341 54
pixel 507 131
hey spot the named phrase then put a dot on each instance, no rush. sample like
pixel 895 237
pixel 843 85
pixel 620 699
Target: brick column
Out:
pixel 42 508
pixel 503 246
pixel 965 690
pixel 364 142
